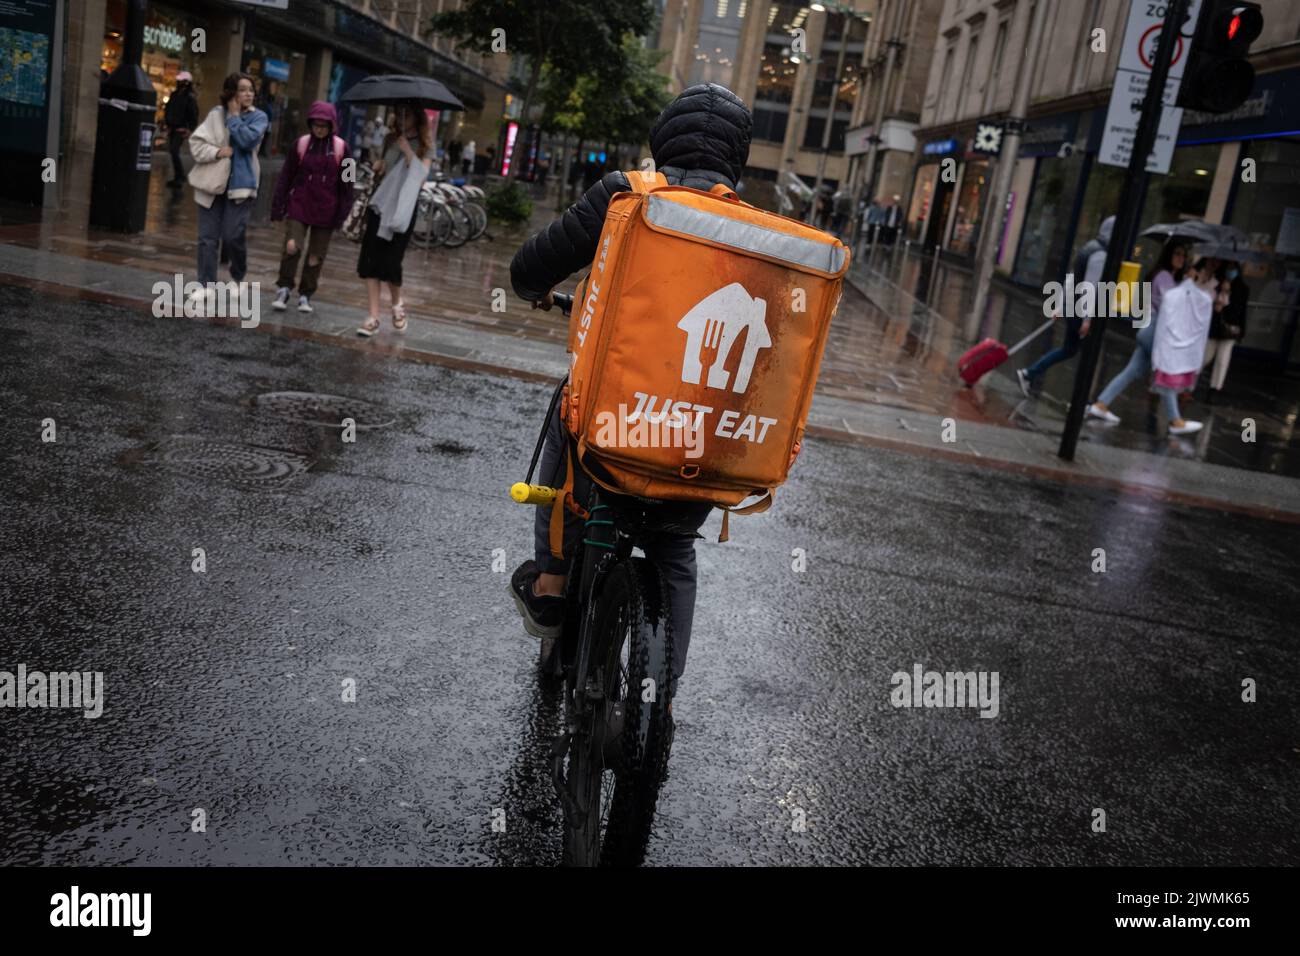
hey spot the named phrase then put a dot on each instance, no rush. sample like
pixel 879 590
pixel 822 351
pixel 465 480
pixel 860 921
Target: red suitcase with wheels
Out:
pixel 979 360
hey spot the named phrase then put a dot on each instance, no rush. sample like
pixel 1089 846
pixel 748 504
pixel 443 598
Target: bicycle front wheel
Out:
pixel 617 769
pixel 460 227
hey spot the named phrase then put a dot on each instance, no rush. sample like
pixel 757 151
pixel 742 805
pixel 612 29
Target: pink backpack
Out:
pixel 339 147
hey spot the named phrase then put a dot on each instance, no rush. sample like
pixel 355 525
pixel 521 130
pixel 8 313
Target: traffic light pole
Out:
pixel 1126 220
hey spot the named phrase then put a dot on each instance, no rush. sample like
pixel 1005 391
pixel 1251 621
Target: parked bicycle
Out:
pixel 614 655
pixel 445 215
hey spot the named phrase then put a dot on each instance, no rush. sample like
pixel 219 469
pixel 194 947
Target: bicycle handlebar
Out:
pixel 527 494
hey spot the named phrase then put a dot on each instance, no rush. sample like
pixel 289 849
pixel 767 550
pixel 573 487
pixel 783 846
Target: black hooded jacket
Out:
pixel 700 139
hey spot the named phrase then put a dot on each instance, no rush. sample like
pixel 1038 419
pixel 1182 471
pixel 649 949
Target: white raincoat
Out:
pixel 1184 325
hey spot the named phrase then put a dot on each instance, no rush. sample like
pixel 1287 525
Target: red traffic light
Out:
pixel 1236 27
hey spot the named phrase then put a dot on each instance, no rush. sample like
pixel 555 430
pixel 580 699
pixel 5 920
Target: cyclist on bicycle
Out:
pixel 699 140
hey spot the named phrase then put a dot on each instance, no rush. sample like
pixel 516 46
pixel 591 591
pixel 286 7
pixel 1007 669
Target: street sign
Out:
pixel 1132 76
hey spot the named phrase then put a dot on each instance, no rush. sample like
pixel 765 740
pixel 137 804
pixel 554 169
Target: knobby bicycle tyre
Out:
pixel 632 611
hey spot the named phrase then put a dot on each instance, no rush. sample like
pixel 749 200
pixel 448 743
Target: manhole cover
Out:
pixel 328 410
pixel 224 461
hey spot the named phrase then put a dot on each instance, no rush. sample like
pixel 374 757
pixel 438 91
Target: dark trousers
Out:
pixel 174 141
pixel 673 554
pixel 1066 351
pixel 224 222
pixel 317 246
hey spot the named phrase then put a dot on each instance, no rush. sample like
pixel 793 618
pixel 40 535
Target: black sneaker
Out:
pixel 543 616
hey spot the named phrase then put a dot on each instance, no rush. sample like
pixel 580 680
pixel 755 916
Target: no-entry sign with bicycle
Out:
pixel 1132 76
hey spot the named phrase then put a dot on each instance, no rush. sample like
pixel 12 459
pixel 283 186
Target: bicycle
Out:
pixel 614 655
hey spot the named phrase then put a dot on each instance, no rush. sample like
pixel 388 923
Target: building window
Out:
pixel 718 41
pixel 769 124
pixel 942 106
pixel 995 71
pixel 967 71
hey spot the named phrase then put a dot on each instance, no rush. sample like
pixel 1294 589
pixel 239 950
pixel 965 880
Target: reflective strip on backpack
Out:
pixel 826 257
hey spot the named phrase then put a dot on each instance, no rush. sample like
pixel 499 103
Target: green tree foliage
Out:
pixel 571 37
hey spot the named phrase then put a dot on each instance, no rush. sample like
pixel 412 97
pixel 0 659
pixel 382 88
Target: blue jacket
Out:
pixel 246 132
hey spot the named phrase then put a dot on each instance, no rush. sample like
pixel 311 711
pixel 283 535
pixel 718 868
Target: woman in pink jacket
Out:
pixel 314 196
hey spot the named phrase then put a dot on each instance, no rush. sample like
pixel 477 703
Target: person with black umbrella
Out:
pixel 403 167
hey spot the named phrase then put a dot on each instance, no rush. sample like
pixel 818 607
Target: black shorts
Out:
pixel 382 258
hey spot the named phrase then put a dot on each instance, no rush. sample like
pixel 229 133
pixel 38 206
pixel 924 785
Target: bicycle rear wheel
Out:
pixel 616 770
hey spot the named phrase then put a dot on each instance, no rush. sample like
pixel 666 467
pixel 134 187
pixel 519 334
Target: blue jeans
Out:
pixel 1139 365
pixel 223 223
pixel 1067 350
pixel 1169 398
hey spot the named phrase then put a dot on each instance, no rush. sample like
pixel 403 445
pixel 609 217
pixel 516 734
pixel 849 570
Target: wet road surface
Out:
pixel 373 561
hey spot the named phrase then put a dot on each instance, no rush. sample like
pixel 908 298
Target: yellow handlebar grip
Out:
pixel 527 494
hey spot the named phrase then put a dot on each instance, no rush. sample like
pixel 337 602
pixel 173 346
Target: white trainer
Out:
pixel 281 299
pixel 1105 414
pixel 1186 428
pixel 304 304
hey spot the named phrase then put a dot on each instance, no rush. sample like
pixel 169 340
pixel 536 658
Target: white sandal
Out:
pixel 399 317
pixel 369 327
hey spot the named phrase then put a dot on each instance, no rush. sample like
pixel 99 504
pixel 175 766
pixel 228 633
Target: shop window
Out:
pixel 970 201
pixel 1269 212
pixel 1043 232
pixel 922 195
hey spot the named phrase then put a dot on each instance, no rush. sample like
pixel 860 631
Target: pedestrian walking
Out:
pixel 313 199
pixel 1179 347
pixel 893 218
pixel 467 157
pixel 180 116
pixel 875 220
pixel 1089 264
pixel 390 217
pixel 1163 276
pixel 1227 328
pixel 226 175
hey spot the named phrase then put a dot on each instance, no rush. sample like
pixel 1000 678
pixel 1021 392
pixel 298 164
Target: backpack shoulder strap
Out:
pixel 302 145
pixel 642 183
pixel 339 148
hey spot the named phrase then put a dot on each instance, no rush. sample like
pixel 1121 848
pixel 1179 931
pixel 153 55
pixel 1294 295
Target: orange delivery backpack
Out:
pixel 696 340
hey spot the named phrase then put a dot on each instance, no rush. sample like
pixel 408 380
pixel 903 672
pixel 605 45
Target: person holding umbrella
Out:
pixel 404 165
pixel 1163 276
pixel 405 158
pixel 1179 345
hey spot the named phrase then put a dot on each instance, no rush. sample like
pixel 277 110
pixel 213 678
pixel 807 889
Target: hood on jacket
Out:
pixel 1105 229
pixel 706 127
pixel 320 110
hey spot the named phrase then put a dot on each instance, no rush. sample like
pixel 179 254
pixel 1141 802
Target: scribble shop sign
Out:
pixel 163 36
